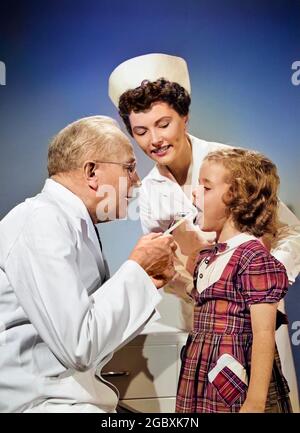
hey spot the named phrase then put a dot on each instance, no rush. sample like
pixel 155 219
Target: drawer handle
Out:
pixel 114 373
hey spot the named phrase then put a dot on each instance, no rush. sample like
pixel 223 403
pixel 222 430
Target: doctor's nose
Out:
pixel 136 180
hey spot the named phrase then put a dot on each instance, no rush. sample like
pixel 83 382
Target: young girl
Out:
pixel 230 362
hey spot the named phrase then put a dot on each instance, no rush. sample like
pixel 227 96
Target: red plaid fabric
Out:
pixel 209 253
pixel 229 386
pixel 222 325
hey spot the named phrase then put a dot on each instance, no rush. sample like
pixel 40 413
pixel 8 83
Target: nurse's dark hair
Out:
pixel 141 98
pixel 252 199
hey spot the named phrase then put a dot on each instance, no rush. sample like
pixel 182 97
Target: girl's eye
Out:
pixel 207 189
pixel 164 125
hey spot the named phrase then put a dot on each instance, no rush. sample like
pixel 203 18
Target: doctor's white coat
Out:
pixel 161 198
pixel 60 316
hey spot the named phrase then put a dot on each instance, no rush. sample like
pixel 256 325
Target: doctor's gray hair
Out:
pixel 94 137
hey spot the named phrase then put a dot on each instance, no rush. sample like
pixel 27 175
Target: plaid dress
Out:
pixel 222 325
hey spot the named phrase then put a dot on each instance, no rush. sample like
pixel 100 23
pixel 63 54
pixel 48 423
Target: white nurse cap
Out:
pixel 130 74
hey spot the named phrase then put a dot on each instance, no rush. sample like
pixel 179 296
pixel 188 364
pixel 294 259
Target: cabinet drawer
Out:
pixel 151 371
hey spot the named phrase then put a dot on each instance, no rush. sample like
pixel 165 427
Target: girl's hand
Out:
pixel 252 408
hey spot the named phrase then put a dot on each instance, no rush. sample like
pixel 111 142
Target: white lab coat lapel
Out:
pixel 73 205
pixel 92 239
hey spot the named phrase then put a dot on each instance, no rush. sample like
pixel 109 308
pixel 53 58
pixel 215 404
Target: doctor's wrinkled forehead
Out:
pixel 94 137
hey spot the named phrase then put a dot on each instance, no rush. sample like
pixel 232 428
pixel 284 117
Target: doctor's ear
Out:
pixel 90 175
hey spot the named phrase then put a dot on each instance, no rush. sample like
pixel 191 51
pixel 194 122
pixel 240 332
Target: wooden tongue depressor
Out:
pixel 167 232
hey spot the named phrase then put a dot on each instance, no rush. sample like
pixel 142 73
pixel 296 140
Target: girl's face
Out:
pixel 160 132
pixel 208 196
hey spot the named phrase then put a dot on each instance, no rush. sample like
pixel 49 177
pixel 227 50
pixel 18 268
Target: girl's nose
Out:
pixel 198 197
pixel 194 194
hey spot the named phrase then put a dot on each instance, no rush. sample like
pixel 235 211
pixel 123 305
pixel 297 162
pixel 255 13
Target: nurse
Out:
pixel 152 93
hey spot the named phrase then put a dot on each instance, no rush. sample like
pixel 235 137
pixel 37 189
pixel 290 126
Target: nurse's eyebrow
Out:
pixel 156 122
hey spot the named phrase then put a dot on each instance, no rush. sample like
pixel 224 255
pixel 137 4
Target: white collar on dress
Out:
pixel 236 241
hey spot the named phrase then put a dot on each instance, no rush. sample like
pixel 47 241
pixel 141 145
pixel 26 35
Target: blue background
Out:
pixel 59 55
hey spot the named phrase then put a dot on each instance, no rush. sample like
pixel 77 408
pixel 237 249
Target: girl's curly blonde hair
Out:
pixel 252 199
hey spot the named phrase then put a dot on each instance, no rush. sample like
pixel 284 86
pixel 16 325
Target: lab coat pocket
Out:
pixel 229 378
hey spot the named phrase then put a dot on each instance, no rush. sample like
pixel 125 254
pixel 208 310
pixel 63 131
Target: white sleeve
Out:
pixel 287 247
pixel 80 330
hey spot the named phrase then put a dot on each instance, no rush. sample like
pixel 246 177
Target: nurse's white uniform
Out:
pixel 61 318
pixel 161 198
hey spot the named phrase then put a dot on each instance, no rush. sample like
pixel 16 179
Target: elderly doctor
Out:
pixel 61 316
pixel 152 94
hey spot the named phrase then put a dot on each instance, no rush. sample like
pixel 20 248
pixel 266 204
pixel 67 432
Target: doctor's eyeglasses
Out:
pixel 130 167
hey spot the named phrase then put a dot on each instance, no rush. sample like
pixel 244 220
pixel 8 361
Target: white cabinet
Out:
pixel 146 370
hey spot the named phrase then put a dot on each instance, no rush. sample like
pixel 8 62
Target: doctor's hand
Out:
pixel 155 254
pixel 162 279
